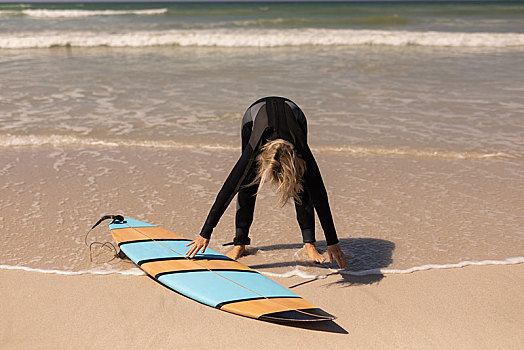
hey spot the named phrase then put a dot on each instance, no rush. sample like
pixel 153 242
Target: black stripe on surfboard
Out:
pixel 160 274
pixel 155 240
pixel 301 315
pixel 239 300
pixel 219 306
pixel 145 261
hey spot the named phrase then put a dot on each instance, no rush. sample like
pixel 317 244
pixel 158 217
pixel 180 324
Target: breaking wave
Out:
pixel 259 38
pixel 45 13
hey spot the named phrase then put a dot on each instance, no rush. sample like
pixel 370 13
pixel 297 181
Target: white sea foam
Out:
pixel 295 272
pixel 48 13
pixel 508 261
pixel 300 273
pixel 131 272
pixel 68 140
pixel 259 38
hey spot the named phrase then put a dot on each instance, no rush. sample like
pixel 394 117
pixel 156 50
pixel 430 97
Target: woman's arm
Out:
pixel 232 183
pixel 226 194
pixel 224 197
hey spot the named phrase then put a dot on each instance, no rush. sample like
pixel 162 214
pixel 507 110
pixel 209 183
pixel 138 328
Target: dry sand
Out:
pixel 468 308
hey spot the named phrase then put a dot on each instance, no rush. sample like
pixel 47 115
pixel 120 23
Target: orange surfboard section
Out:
pixel 260 307
pixel 130 234
pixel 161 267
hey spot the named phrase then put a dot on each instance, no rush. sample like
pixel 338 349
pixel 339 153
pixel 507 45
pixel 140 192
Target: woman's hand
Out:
pixel 335 253
pixel 200 243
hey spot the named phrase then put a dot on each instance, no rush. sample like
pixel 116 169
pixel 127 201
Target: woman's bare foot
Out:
pixel 313 253
pixel 237 252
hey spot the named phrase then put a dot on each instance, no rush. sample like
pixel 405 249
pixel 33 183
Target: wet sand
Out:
pixel 469 308
pixel 392 212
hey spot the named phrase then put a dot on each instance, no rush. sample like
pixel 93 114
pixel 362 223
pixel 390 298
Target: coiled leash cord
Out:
pixel 117 253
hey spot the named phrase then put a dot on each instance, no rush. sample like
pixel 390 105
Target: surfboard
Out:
pixel 210 278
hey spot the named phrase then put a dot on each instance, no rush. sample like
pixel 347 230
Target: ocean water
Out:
pixel 415 111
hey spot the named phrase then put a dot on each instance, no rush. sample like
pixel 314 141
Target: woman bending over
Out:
pixel 275 151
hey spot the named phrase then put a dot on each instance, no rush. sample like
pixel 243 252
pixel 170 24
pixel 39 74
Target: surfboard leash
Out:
pixel 117 253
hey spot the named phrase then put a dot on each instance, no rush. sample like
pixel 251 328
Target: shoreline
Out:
pixel 292 273
pixel 469 308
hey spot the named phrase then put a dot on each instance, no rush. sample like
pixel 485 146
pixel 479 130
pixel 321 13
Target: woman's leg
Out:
pixel 244 216
pixel 306 221
pixel 246 199
pixel 306 217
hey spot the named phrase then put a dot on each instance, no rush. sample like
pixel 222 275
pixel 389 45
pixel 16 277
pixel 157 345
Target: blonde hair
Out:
pixel 279 165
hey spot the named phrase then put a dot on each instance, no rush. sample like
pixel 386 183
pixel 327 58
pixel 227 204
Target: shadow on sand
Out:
pixel 324 326
pixel 363 254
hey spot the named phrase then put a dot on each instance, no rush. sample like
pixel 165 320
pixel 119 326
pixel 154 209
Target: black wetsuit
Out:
pixel 273 118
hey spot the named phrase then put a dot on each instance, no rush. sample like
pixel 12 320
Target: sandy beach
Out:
pixel 469 308
pixel 477 307
pixel 461 308
pixel 414 113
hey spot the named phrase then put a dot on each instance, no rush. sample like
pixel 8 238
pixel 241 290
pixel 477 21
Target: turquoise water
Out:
pixel 204 18
pixel 495 16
